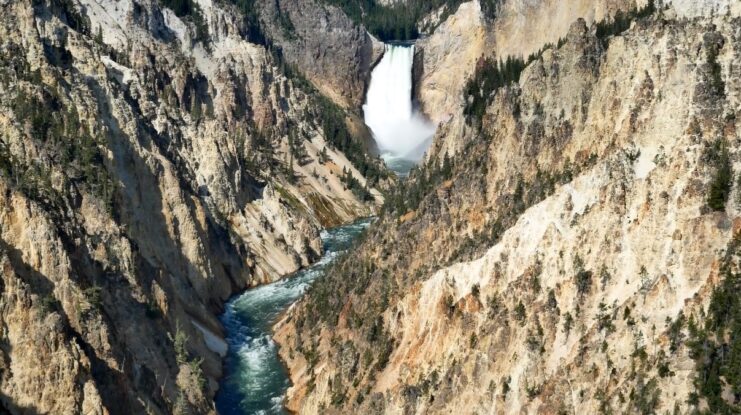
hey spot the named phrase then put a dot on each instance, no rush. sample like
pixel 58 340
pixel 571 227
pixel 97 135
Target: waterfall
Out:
pixel 400 131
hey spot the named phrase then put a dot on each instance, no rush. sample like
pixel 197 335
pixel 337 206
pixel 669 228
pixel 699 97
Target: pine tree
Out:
pixel 195 108
pixel 99 36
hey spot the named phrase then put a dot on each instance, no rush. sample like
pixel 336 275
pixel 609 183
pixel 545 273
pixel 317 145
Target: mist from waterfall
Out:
pixel 399 130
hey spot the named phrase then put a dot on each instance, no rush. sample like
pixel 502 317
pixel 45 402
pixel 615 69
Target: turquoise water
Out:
pixel 398 165
pixel 255 380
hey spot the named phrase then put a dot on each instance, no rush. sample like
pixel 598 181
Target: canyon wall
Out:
pixel 152 165
pixel 333 52
pixel 547 260
pixel 449 56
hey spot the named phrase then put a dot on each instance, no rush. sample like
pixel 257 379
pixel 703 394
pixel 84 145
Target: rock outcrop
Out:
pixel 330 49
pixel 444 60
pixel 448 57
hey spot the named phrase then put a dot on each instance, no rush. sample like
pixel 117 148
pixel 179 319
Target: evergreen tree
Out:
pixel 720 185
pixel 195 107
pixel 99 35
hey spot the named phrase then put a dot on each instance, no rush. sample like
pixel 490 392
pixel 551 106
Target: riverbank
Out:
pixel 255 379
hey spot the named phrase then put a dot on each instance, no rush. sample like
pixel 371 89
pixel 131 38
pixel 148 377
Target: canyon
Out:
pixel 548 255
pixel 566 240
pixel 154 165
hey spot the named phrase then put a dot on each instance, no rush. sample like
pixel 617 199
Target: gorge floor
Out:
pixel 255 379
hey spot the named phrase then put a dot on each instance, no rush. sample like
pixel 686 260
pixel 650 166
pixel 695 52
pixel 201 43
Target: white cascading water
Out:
pixel 400 132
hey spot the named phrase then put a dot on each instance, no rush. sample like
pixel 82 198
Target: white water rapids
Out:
pixel 400 131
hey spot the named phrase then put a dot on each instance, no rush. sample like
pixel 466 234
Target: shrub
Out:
pixel 94 296
pixel 48 304
pixel 583 278
pixel 552 302
pixel 399 21
pixel 520 312
pixel 252 31
pixel 331 119
pixel 180 342
pixel 475 291
pixel 645 397
pixel 568 322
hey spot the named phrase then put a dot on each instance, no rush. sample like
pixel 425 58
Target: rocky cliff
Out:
pixel 448 57
pixel 332 51
pixel 151 165
pixel 570 253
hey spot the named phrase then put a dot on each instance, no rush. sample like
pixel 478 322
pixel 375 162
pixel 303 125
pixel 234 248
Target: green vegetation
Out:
pixel 491 75
pixel 604 319
pixel 604 275
pixel 675 332
pixel 196 384
pixel 57 128
pixel 327 115
pixel 423 180
pixel 715 344
pixel 191 11
pixel 67 12
pixel 520 313
pixel 396 22
pixel 533 391
pixel 644 397
pixel 488 77
pixel 720 185
pixel 621 21
pixel 94 296
pixel 289 30
pixel 401 21
pixel 48 304
pixel 181 7
pixel 360 191
pixel 583 278
pixel 505 386
pixel 63 143
pixel 251 24
pixel 718 87
pixel 568 323
pixel 524 195
pixel 489 8
pixel 331 119
pixel 62 140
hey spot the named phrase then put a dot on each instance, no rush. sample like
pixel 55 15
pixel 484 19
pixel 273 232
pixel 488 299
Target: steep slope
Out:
pixel 333 52
pixel 448 57
pixel 550 263
pixel 152 165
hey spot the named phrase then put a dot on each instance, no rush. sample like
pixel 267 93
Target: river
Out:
pixel 255 380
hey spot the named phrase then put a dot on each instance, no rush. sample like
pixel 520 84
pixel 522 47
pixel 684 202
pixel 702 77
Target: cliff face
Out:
pixel 448 57
pixel 445 59
pixel 334 53
pixel 543 268
pixel 151 165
